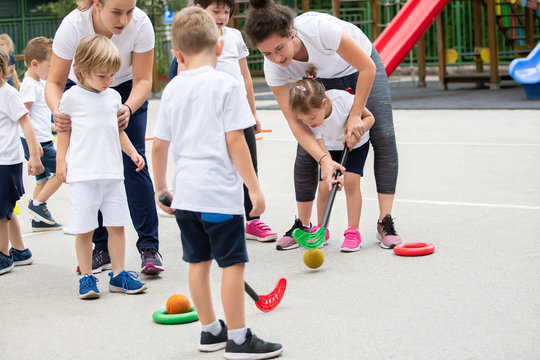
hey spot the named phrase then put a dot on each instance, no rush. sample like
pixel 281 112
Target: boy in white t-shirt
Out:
pixel 94 167
pixel 12 114
pixel 37 58
pixel 203 114
pixel 233 61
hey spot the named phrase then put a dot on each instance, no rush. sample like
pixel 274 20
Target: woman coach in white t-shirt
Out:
pixel 131 30
pixel 344 58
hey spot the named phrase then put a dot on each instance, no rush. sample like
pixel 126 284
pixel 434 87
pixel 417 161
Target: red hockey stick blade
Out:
pixel 271 301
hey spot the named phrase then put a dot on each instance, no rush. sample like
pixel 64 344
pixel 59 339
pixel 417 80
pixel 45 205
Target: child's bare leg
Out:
pixel 4 236
pixel 117 248
pixel 47 189
pixel 37 190
pixel 354 198
pixel 232 295
pixel 304 211
pixel 322 200
pixel 385 204
pixel 83 248
pixel 15 236
pixel 199 287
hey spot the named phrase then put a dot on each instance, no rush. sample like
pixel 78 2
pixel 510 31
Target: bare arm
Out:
pixel 34 163
pixel 15 77
pixel 248 83
pixel 303 135
pixel 239 152
pixel 352 53
pixel 160 151
pixel 62 145
pixel 130 150
pixel 54 88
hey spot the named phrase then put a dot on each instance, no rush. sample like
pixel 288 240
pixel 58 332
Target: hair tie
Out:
pixel 299 87
pixel 310 76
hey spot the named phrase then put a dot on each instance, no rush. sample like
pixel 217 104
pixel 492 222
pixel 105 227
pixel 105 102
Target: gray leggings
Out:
pixel 382 137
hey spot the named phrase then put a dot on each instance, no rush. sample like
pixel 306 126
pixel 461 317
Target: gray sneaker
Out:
pixel 41 212
pixel 251 349
pixel 101 261
pixel 38 226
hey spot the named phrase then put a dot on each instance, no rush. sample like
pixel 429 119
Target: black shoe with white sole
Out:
pixel 210 343
pixel 252 349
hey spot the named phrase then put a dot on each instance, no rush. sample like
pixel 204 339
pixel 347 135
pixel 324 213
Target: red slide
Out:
pixel 405 29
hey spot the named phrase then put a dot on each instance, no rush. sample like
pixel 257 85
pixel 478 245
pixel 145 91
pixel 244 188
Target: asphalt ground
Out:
pixel 468 183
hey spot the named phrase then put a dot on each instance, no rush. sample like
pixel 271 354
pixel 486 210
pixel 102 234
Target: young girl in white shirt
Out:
pixel 12 114
pixel 326 113
pixel 93 167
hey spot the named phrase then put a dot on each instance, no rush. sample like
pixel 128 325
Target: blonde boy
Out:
pixel 203 113
pixel 94 168
pixel 37 58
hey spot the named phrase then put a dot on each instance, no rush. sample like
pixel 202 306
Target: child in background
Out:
pixel 325 113
pixel 12 114
pixel 7 44
pixel 203 113
pixel 233 62
pixel 37 58
pixel 94 167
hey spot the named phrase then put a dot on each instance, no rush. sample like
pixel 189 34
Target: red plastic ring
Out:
pixel 414 249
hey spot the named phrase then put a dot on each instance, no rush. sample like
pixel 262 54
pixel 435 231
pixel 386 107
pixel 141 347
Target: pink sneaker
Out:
pixel 353 240
pixel 259 231
pixel 327 236
pixel 387 234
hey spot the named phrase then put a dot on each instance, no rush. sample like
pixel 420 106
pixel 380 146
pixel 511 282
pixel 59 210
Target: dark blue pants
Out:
pixel 139 188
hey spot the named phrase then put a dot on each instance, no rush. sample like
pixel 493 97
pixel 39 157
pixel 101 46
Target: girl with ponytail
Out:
pixel 345 58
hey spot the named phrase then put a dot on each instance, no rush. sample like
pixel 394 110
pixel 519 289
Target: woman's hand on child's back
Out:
pixel 259 205
pixel 138 161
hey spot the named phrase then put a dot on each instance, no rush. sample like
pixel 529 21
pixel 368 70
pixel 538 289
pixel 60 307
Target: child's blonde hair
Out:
pixel 9 41
pixel 193 31
pixel 4 71
pixel 96 52
pixel 308 93
pixel 38 48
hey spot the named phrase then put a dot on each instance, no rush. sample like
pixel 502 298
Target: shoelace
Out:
pixel 87 280
pixel 152 252
pixel 126 275
pixel 388 226
pixel 98 255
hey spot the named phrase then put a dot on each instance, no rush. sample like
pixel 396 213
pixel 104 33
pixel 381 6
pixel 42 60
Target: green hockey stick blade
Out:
pixel 309 241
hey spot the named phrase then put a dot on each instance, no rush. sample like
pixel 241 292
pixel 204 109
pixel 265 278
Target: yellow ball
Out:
pixel 313 258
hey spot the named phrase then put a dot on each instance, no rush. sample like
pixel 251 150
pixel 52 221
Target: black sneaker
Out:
pixel 253 348
pixel 21 257
pixel 41 212
pixel 151 264
pixel 6 263
pixel 211 342
pixel 101 261
pixel 38 226
pixel 287 242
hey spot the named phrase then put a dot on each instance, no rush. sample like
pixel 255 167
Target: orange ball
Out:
pixel 177 304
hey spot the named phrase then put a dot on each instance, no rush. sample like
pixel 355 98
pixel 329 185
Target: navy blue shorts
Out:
pixel 48 159
pixel 355 160
pixel 207 236
pixel 11 188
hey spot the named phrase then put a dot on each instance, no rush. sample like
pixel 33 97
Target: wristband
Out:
pixel 322 157
pixel 129 108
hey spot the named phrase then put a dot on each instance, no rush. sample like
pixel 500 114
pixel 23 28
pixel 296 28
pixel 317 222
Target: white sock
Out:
pixel 237 335
pixel 36 203
pixel 213 328
pixel 250 221
pixel 308 226
pixel 36 220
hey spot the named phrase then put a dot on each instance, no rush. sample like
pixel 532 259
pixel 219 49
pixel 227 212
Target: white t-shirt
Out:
pixel 11 110
pixel 138 36
pixel 321 34
pixel 234 49
pixel 32 91
pixel 197 108
pixel 332 129
pixel 94 148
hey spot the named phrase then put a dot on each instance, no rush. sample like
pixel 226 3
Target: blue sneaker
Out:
pixel 6 263
pixel 126 282
pixel 23 257
pixel 88 287
pixel 41 212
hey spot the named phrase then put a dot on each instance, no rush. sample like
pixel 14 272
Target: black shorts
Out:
pixel 207 236
pixel 355 160
pixel 11 188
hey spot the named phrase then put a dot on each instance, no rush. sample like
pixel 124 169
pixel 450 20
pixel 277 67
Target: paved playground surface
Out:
pixel 468 183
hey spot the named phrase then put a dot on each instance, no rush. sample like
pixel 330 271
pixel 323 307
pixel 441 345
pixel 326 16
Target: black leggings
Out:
pixel 382 137
pixel 249 134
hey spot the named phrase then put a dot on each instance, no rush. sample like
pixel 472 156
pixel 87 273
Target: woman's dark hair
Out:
pixel 265 18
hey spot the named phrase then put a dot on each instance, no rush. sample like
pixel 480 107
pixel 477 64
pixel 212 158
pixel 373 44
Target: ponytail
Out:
pixel 308 93
pixel 84 5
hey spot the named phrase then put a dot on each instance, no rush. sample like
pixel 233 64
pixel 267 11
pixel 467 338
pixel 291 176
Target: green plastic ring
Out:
pixel 161 317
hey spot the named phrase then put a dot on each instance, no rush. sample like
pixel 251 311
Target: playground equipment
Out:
pixel 527 72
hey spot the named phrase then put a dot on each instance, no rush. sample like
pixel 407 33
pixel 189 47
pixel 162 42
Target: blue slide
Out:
pixel 526 71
